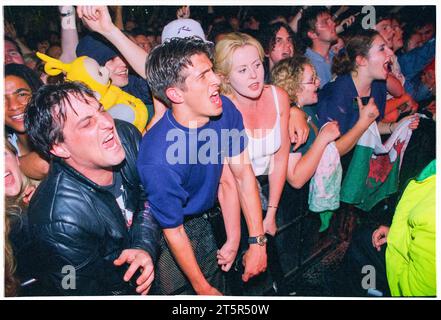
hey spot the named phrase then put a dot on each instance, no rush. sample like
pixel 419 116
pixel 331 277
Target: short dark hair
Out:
pixel 166 62
pixel 24 72
pixel 307 22
pixel 47 112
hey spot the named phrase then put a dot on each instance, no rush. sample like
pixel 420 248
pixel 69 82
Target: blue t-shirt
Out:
pixel 322 67
pixel 139 88
pixel 180 168
pixel 337 102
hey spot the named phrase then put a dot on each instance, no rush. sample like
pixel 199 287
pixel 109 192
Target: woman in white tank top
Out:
pixel 265 112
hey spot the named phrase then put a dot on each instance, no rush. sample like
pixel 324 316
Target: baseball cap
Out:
pixel 182 28
pixel 96 47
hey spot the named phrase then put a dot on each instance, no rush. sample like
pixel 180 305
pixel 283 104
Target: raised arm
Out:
pixel 12 33
pixel 69 33
pixel 97 18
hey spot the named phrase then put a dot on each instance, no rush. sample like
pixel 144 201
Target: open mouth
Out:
pixel 109 141
pixel 387 66
pixel 254 86
pixel 215 98
pixel 18 117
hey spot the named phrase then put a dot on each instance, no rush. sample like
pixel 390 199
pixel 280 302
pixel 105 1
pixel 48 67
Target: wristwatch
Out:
pixel 260 240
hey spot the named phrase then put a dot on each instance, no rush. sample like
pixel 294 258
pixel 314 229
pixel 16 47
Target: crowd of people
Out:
pixel 141 161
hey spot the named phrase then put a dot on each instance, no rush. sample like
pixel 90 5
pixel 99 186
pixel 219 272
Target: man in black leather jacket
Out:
pixel 91 229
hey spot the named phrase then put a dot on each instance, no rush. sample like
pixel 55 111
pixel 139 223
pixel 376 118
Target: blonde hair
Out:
pixel 25 180
pixel 11 282
pixel 288 73
pixel 14 208
pixel 223 57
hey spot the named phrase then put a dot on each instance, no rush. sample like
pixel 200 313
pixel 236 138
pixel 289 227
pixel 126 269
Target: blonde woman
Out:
pixel 297 76
pixel 265 112
pixel 18 192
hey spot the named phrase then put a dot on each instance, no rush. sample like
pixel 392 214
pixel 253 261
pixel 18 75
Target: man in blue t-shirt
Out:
pixel 317 30
pixel 181 163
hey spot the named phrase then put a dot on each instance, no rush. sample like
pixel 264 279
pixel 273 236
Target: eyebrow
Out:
pixel 203 73
pixel 244 65
pixel 82 120
pixel 19 90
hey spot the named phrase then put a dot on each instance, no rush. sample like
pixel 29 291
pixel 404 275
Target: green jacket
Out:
pixel 410 254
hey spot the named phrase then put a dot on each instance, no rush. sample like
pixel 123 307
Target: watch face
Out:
pixel 261 240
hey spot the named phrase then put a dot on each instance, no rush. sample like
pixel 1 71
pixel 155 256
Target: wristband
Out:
pixel 67 14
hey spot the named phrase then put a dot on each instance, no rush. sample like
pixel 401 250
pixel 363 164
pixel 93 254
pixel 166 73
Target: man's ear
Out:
pixel 360 61
pixel 175 95
pixel 59 150
pixel 312 35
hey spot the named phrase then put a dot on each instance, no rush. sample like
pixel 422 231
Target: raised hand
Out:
pixel 298 127
pixel 96 18
pixel 369 112
pixel 330 131
pixel 183 12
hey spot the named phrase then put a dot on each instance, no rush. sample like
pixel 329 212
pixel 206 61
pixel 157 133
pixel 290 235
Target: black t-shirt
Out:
pixel 117 189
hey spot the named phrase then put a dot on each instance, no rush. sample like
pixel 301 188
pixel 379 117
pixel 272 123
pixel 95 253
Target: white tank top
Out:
pixel 262 149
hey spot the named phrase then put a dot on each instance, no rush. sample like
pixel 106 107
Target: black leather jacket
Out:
pixel 75 222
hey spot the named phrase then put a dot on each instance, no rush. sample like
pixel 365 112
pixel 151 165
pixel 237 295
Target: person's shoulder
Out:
pixel 230 113
pixel 158 132
pixel 226 102
pixel 338 86
pixel 309 53
pixel 135 80
pixel 126 128
pixel 228 105
pixel 128 134
pixel 59 198
pixel 155 143
pixel 281 94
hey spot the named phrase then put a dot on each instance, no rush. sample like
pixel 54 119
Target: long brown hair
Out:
pixel 358 45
